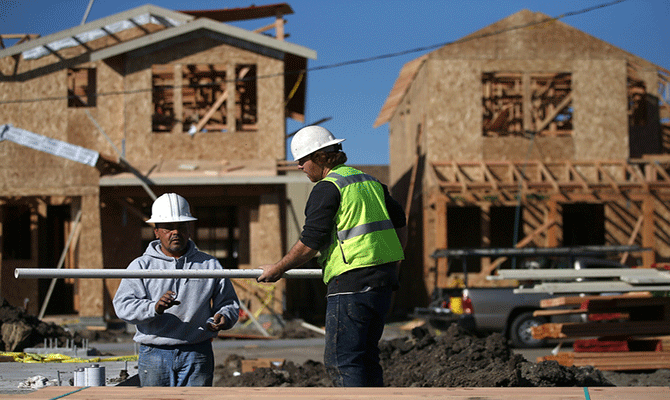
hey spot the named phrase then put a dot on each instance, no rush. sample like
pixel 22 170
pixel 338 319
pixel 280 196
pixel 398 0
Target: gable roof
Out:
pixel 496 40
pixel 175 23
pixel 405 78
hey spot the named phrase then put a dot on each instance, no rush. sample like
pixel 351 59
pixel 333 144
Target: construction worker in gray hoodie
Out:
pixel 176 318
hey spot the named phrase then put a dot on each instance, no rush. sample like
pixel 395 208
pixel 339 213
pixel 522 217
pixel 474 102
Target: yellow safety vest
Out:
pixel 363 234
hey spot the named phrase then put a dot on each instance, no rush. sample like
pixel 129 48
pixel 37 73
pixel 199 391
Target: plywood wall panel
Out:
pixel 266 240
pixel 513 38
pixel 90 257
pixel 454 115
pixel 518 148
pixel 600 103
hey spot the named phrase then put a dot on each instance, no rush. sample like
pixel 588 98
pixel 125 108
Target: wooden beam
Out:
pixel 553 214
pixel 217 104
pixel 415 167
pixel 631 239
pixel 441 241
pixel 648 230
pixel 219 101
pixel 566 100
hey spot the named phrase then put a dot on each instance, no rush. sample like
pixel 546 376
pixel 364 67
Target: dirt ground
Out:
pixel 452 358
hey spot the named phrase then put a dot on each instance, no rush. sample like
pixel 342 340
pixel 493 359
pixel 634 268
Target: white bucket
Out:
pixel 95 375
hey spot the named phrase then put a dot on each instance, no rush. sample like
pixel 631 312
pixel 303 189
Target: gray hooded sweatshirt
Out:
pixel 135 300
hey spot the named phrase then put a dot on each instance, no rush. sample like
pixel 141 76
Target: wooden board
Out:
pixel 613 361
pixel 613 329
pixel 252 365
pixel 230 393
pixel 578 300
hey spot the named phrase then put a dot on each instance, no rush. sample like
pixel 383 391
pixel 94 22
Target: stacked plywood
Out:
pixel 626 332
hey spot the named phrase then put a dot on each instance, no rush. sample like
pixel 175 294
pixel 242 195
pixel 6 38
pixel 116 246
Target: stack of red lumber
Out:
pixel 626 332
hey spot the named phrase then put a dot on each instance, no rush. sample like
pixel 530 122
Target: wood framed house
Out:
pixel 168 101
pixel 528 133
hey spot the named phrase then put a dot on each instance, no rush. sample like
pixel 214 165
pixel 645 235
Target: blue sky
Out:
pixel 341 31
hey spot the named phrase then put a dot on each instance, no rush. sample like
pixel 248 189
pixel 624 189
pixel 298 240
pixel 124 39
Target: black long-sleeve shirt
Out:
pixel 320 211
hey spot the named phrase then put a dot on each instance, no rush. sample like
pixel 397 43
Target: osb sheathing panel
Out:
pixel 454 110
pixel 516 148
pixel 600 104
pixel 90 257
pixel 108 113
pixel 404 128
pixel 549 40
pixel 26 171
pixel 266 143
pixel 265 240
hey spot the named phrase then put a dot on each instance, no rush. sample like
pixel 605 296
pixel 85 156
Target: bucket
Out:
pixel 79 377
pixel 95 375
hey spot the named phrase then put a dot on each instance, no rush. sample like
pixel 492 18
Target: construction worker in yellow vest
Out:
pixel 356 226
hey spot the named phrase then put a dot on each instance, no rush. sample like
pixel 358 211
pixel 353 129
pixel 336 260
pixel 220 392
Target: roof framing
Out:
pixel 245 13
pixel 247 39
pixel 97 24
pixel 241 37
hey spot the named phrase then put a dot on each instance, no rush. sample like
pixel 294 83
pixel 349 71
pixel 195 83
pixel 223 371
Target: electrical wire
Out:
pixel 351 62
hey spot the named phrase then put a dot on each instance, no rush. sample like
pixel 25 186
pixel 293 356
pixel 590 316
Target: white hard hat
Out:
pixel 170 207
pixel 310 139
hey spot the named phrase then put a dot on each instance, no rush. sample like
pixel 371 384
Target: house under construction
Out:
pixel 100 119
pixel 528 133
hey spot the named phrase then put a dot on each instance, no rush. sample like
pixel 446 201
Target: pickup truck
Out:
pixel 497 309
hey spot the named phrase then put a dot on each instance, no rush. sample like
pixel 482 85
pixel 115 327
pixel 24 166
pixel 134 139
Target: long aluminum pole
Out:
pixel 32 273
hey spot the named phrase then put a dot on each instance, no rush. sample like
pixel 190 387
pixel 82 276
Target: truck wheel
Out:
pixel 519 333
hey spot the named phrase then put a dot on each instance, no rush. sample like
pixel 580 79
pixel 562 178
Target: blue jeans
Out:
pixel 183 365
pixel 354 325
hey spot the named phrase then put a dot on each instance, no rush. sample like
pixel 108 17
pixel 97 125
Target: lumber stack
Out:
pixel 624 332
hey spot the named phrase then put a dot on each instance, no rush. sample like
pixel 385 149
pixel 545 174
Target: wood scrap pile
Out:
pixel 619 332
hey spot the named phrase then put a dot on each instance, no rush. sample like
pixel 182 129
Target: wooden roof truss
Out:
pixel 503 181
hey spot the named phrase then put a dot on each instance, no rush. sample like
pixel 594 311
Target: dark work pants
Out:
pixel 354 325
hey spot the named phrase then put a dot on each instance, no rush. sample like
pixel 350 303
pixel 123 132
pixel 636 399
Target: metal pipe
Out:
pixel 32 273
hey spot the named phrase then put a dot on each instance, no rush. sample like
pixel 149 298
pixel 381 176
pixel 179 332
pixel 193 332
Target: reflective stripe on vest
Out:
pixel 365 228
pixel 364 234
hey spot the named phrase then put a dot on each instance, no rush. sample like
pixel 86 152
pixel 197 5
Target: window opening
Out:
pixel 16 237
pixel 464 230
pixel 162 82
pixel 204 98
pixel 552 104
pixel 217 234
pixel 81 87
pixel 549 104
pixel 246 109
pixel 503 104
pixel 637 105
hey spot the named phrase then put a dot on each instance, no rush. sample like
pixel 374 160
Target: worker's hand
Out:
pixel 166 301
pixel 271 273
pixel 217 325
